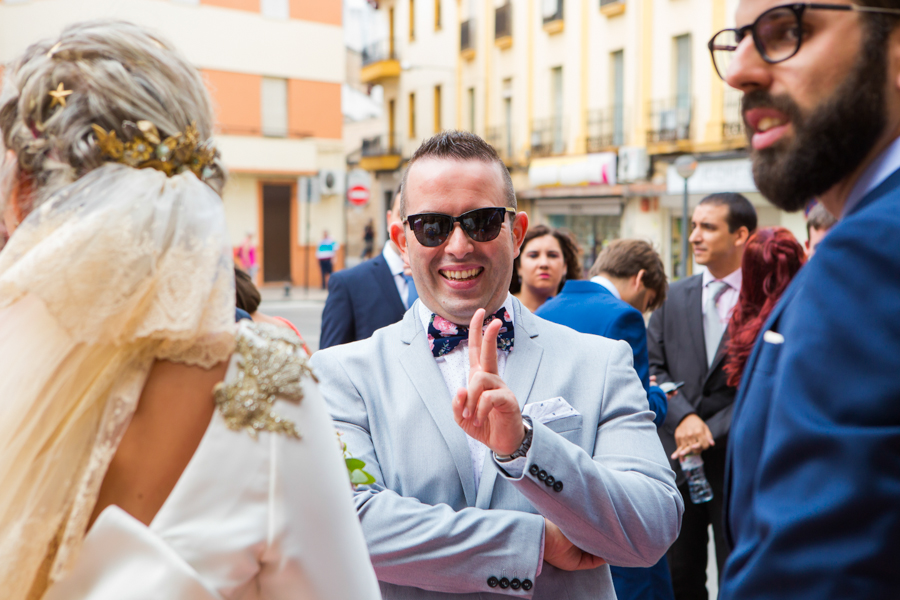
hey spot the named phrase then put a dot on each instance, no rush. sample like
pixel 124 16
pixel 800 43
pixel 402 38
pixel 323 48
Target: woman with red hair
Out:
pixel 772 258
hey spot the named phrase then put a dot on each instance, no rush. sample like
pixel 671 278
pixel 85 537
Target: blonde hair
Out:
pixel 117 72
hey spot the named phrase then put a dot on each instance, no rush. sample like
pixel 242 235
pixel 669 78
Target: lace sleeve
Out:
pixel 127 256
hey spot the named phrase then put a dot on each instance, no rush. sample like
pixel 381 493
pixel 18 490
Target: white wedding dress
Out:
pixel 265 518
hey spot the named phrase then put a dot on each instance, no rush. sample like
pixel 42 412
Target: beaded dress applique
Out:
pixel 270 364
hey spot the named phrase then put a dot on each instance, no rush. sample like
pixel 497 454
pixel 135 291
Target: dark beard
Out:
pixel 828 144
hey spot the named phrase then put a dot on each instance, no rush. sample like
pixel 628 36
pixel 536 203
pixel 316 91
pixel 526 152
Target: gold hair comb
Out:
pixel 144 149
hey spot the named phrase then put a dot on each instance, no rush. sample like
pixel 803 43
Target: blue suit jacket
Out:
pixel 360 300
pixel 589 307
pixel 813 473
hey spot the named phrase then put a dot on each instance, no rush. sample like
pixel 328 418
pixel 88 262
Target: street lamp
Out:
pixel 685 166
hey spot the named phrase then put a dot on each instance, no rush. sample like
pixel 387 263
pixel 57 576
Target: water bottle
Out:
pixel 699 487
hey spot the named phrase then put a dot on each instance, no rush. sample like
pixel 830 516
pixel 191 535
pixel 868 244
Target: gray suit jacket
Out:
pixel 677 353
pixel 432 534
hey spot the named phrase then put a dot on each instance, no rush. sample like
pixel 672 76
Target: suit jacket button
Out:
pixel 504 583
pixel 493 581
pixel 549 481
pixel 527 585
pixel 557 487
pixel 534 469
pixel 542 475
pixel 515 584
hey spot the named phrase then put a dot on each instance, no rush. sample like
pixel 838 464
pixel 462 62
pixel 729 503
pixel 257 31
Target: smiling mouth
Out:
pixel 466 275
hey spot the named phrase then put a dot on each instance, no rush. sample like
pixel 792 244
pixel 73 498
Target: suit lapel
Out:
pixel 385 280
pixel 520 373
pixel 720 356
pixel 694 305
pixel 426 377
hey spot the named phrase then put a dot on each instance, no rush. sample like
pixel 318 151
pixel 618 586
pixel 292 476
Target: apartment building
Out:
pixel 589 102
pixel 274 68
pixel 416 63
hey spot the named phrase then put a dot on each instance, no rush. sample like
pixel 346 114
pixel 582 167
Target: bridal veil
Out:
pixel 115 267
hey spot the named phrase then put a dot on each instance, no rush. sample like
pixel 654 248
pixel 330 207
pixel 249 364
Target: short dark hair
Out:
pixel 458 146
pixel 819 218
pixel 740 212
pixel 570 249
pixel 625 258
pixel 247 297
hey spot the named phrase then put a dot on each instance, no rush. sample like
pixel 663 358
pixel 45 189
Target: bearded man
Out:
pixel 812 484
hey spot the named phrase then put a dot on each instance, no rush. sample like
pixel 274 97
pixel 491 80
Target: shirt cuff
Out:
pixel 514 468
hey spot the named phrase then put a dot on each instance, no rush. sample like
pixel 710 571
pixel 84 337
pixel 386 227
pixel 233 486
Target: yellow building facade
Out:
pixel 274 69
pixel 588 102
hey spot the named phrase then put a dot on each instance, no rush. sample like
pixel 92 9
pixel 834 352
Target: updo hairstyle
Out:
pixel 117 72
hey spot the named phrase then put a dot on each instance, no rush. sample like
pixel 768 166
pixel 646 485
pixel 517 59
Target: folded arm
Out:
pixel 432 547
pixel 619 501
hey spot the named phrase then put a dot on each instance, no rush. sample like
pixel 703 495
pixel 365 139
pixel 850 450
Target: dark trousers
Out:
pixel 688 555
pixel 325 267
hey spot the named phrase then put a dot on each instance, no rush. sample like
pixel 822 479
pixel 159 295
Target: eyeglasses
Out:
pixel 777 33
pixel 481 224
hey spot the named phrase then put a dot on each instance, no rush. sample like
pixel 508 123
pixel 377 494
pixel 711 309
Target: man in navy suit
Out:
pixel 371 295
pixel 627 280
pixel 813 468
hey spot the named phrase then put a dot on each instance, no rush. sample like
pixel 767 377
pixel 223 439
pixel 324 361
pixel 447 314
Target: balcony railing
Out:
pixel 670 120
pixel 503 21
pixel 501 139
pixel 606 128
pixel 732 121
pixel 381 145
pixel 467 35
pixel 373 53
pixel 549 13
pixel 548 136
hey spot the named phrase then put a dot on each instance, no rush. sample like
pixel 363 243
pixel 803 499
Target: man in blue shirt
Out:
pixel 627 280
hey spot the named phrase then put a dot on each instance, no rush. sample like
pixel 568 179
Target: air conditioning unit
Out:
pixel 633 164
pixel 331 182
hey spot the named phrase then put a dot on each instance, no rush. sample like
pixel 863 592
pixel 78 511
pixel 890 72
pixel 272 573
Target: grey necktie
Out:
pixel 712 324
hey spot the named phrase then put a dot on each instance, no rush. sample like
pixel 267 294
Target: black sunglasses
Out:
pixel 481 224
pixel 777 33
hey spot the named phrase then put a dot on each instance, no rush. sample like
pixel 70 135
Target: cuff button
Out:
pixel 504 583
pixel 558 486
pixel 542 475
pixel 534 470
pixel 527 585
pixel 493 581
pixel 515 584
pixel 550 481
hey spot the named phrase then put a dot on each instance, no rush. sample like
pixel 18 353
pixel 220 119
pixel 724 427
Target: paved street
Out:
pixel 302 309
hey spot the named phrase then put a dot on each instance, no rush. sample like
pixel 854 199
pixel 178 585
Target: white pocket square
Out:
pixel 549 410
pixel 773 337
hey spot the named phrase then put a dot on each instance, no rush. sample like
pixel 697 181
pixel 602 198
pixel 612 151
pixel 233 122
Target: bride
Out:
pixel 149 447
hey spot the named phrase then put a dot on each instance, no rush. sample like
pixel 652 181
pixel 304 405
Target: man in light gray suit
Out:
pixel 512 456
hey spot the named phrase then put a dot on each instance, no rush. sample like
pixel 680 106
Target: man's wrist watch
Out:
pixel 526 443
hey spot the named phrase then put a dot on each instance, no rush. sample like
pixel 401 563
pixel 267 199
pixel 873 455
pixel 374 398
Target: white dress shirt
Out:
pixel 729 298
pixel 881 168
pixel 395 264
pixel 600 279
pixel 454 367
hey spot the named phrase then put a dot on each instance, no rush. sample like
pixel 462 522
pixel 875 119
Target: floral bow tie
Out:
pixel 444 336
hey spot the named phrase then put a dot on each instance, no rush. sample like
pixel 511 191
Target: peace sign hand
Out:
pixel 488 410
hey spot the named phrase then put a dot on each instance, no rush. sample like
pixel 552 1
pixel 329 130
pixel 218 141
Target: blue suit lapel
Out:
pixel 749 368
pixel 426 377
pixel 521 371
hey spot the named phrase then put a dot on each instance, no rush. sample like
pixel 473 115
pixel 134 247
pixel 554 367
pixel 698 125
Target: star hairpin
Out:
pixel 59 95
